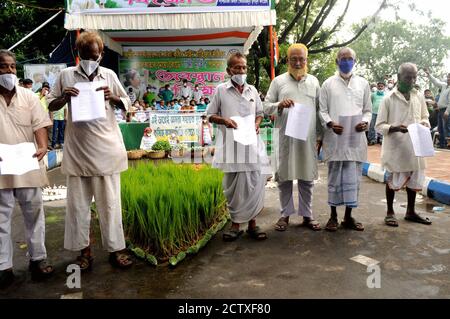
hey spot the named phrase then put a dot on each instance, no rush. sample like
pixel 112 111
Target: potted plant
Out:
pixel 159 150
pixel 178 150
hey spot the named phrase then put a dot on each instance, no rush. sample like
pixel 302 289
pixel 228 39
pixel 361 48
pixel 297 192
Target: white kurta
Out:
pixel 397 153
pixel 339 99
pixel 295 159
pixel 230 156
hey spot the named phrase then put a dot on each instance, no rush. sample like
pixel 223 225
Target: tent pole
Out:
pixel 35 30
pixel 272 67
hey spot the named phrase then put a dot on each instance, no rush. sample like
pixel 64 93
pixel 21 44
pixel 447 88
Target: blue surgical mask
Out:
pixel 346 66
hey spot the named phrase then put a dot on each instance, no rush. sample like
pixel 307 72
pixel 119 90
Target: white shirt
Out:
pixel 444 98
pixel 397 153
pixel 339 99
pixel 198 95
pixel 147 142
pixel 297 159
pixel 231 156
pixel 186 92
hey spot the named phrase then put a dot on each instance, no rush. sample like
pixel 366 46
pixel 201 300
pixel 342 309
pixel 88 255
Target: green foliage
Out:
pixel 167 208
pixel 161 146
pixel 17 21
pixel 389 44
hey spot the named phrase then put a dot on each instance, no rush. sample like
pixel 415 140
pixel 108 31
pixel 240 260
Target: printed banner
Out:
pixel 40 73
pixel 164 6
pixel 185 127
pixel 146 72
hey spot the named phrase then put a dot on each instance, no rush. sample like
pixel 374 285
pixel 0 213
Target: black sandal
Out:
pixel 232 235
pixel 84 262
pixel 40 269
pixel 256 233
pixel 120 259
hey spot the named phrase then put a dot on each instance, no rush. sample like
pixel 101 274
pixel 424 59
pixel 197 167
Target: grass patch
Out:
pixel 169 208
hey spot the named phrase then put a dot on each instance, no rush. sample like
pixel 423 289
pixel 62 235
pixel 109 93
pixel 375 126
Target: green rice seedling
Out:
pixel 167 208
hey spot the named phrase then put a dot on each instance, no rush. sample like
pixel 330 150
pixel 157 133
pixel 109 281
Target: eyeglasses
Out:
pixel 295 59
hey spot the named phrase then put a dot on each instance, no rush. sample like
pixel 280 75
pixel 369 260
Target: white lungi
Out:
pixel 305 189
pixel 30 201
pixel 106 192
pixel 412 180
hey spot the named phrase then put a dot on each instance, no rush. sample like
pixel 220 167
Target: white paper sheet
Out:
pixel 89 104
pixel 349 138
pixel 421 140
pixel 245 133
pixel 17 159
pixel 298 122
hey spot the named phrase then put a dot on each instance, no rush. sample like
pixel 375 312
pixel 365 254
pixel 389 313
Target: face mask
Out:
pixel 185 85
pixel 90 66
pixel 390 86
pixel 404 87
pixel 374 89
pixel 8 81
pixel 346 66
pixel 380 93
pixel 239 79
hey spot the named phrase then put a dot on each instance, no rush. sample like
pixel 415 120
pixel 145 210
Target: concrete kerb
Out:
pixel 53 159
pixel 432 188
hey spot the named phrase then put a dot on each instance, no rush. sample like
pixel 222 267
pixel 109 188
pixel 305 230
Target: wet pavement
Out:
pixel 414 259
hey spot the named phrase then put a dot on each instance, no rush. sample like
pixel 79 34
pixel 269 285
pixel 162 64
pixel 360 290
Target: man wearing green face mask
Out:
pixel 404 106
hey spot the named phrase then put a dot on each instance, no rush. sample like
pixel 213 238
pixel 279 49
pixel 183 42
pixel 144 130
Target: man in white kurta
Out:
pixel 402 107
pixel 22 120
pixel 345 98
pixel 295 159
pixel 94 155
pixel 243 181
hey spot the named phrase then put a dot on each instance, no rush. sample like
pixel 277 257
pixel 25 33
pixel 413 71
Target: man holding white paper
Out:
pixel 23 127
pixel 345 97
pixel 293 98
pixel 243 181
pixel 402 107
pixel 94 153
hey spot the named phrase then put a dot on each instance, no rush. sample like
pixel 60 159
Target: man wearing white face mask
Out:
pixel 243 181
pixel 22 120
pixel 94 155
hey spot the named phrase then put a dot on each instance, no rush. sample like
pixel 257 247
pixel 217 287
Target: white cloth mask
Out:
pixel 8 81
pixel 239 79
pixel 90 66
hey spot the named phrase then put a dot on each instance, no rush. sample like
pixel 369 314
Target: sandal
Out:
pixel 120 259
pixel 6 278
pixel 352 224
pixel 40 269
pixel 416 218
pixel 256 233
pixel 231 235
pixel 332 225
pixel 282 224
pixel 311 224
pixel 390 220
pixel 85 262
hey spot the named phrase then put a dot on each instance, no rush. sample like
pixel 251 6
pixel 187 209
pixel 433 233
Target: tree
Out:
pixel 389 44
pixel 305 21
pixel 19 18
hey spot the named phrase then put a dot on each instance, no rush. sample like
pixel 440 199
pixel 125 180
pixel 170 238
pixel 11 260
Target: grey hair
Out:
pixel 8 53
pixel 235 55
pixel 353 53
pixel 406 66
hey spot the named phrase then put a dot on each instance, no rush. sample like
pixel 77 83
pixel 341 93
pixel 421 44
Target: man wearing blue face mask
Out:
pixel 377 97
pixel 345 97
pixel 94 156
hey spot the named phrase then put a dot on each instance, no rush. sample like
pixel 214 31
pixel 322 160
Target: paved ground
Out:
pixel 414 259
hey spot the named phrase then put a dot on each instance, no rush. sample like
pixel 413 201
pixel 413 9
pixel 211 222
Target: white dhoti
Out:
pixel 305 190
pixel 245 195
pixel 106 192
pixel 412 180
pixel 30 201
